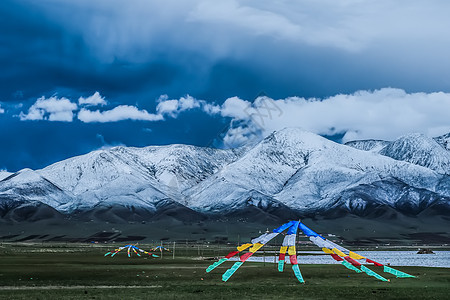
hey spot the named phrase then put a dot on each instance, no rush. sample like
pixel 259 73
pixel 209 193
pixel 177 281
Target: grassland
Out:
pixel 81 271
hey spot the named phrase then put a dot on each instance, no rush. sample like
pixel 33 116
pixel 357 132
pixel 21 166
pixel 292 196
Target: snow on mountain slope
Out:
pixel 135 176
pixel 374 199
pixel 265 168
pixel 4 174
pixel 28 185
pixel 102 178
pixel 302 170
pixel 368 145
pixel 290 171
pixel 181 166
pixel 420 150
pixel 175 166
pixel 335 168
pixel 273 161
pixel 444 141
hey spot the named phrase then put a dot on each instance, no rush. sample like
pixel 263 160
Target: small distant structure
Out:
pixel 130 249
pixel 425 251
pixel 160 248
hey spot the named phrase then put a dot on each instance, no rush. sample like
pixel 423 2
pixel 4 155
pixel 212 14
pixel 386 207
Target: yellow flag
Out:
pixel 339 252
pixel 328 251
pixel 243 247
pixel 283 249
pixel 255 247
pixel 291 250
pixel 355 255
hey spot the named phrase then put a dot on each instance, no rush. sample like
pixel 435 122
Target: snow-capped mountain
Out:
pixel 415 148
pixel 309 173
pixel 172 168
pixel 25 194
pixel 420 150
pixel 144 178
pixel 289 174
pixel 444 141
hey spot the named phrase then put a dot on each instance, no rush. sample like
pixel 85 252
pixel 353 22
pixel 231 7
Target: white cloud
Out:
pixel 62 116
pixel 165 108
pixel 175 106
pixel 2 110
pixel 62 109
pixel 119 113
pixel 240 133
pixel 93 100
pixel 50 109
pixel 169 107
pixel 381 114
pixel 211 108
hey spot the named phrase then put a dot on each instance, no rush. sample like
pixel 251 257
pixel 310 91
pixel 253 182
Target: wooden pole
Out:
pixel 264 256
pixel 173 251
pixel 239 243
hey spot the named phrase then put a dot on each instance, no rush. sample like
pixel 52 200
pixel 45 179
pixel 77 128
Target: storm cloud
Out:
pixel 215 50
pixel 132 52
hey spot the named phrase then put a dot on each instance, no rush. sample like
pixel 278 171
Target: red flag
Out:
pixel 336 257
pixel 231 254
pixel 352 261
pixel 373 262
pixel 245 256
pixel 293 259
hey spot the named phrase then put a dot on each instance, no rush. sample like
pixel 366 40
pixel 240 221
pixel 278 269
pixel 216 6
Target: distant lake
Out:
pixel 394 258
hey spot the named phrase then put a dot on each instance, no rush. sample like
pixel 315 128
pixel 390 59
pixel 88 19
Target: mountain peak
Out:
pixel 421 150
pixel 297 137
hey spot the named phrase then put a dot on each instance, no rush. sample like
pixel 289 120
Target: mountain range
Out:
pixel 290 174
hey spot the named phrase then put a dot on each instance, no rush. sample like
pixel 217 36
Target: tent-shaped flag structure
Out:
pixel 346 257
pixel 130 249
pixel 160 248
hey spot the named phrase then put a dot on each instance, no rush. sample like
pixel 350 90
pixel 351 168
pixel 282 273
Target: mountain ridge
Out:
pixel 290 173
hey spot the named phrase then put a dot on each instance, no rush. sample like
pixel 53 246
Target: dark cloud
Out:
pixel 147 48
pixel 134 51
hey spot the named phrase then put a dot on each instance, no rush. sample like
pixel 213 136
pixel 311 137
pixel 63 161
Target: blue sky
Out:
pixel 79 75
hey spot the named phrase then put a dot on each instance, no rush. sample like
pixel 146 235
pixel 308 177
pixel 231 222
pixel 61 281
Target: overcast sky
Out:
pixel 80 75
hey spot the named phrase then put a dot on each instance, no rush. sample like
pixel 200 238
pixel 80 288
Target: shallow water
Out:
pixel 394 258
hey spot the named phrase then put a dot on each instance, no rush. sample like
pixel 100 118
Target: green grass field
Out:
pixel 82 272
